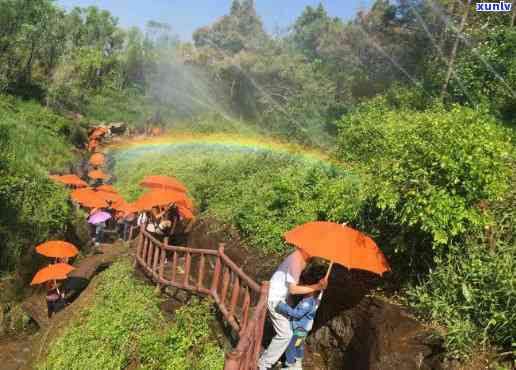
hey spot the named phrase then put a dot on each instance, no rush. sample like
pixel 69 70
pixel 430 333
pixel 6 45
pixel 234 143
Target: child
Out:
pixel 302 319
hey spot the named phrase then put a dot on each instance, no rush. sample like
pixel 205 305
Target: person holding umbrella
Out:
pixel 302 319
pixel 99 218
pixel 49 275
pixel 285 281
pixel 328 240
pixel 55 299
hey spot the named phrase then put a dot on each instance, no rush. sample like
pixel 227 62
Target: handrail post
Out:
pixel 264 292
pixel 139 245
pixel 162 253
pixel 216 271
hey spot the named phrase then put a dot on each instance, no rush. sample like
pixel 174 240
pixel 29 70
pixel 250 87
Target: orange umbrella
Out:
pixel 157 198
pixel 72 180
pixel 56 271
pixel 97 159
pixel 185 212
pixel 88 198
pixel 107 188
pixel 92 144
pixel 98 132
pixel 125 207
pixel 109 197
pixel 163 182
pixel 57 249
pixel 338 243
pixel 97 174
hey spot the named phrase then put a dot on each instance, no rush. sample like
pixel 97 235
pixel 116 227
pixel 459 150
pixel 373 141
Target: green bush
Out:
pixel 124 324
pixel 472 291
pixel 430 168
pixel 32 208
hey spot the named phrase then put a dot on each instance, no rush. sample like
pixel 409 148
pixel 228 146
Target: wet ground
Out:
pixel 15 353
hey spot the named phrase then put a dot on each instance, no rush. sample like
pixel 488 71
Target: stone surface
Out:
pixel 375 335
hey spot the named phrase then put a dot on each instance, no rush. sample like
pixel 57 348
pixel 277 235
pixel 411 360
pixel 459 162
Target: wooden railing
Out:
pixel 242 302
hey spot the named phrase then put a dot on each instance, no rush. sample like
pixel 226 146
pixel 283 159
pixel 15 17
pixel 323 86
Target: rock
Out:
pixel 117 128
pixel 375 335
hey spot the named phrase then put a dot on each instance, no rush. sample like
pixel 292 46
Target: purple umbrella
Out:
pixel 99 217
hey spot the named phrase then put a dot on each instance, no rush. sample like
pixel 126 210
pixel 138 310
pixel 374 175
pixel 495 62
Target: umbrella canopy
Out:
pixel 99 217
pixel 57 249
pixel 97 174
pixel 109 197
pixel 72 180
pixel 92 144
pixel 56 271
pixel 338 243
pixel 98 132
pixel 107 189
pixel 88 198
pixel 163 182
pixel 158 198
pixel 185 213
pixel 125 207
pixel 97 159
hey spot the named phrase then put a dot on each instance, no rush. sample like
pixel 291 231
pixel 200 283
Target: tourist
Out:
pixel 99 233
pixel 285 281
pixel 128 222
pixel 302 319
pixel 55 299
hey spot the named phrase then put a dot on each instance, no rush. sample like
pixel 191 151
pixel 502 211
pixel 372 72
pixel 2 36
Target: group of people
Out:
pixel 291 324
pixel 163 222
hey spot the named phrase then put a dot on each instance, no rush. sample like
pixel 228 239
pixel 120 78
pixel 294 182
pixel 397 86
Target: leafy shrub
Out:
pixel 430 168
pixel 124 323
pixel 472 292
pixel 263 195
pixel 32 208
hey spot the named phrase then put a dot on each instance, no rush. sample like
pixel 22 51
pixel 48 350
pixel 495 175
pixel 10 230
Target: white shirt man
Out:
pixel 285 281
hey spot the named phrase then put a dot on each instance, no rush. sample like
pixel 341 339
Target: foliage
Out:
pixel 124 324
pixel 472 289
pixel 431 168
pixel 472 292
pixel 488 72
pixel 32 208
pixel 263 195
pixel 241 29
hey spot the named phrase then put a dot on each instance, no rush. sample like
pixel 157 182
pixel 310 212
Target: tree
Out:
pixel 241 30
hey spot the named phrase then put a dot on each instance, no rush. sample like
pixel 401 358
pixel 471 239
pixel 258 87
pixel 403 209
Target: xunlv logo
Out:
pixel 502 6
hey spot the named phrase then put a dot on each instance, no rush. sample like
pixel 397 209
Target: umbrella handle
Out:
pixel 326 277
pixel 329 271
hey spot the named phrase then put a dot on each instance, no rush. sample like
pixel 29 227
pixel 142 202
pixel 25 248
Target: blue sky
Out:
pixel 185 16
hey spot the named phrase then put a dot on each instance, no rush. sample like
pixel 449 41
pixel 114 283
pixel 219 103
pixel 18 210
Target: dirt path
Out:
pixel 36 307
pixel 18 353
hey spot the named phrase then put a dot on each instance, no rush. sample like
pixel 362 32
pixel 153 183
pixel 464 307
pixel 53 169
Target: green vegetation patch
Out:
pixel 442 186
pixel 124 326
pixel 263 195
pixel 32 207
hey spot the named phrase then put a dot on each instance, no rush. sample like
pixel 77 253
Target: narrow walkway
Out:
pixel 36 306
pixel 241 301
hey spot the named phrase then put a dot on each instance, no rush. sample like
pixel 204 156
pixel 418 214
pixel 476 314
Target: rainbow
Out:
pixel 217 143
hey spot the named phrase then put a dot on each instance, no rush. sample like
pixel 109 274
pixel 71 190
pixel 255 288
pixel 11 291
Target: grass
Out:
pixel 263 194
pixel 124 326
pixel 33 143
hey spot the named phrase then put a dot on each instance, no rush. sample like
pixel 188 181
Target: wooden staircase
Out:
pixel 242 301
